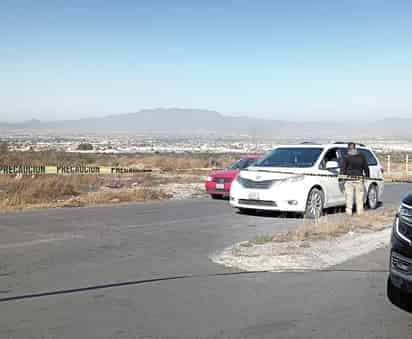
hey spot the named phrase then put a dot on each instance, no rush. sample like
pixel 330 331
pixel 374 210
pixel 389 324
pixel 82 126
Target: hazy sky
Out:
pixel 279 59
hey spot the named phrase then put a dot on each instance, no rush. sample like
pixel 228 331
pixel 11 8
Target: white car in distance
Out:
pixel 287 180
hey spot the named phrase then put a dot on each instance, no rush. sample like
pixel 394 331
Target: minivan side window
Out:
pixel 369 157
pixel 331 155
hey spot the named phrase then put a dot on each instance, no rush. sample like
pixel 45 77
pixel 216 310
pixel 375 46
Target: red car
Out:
pixel 218 183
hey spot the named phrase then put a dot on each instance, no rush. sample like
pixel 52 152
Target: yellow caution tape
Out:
pixel 67 170
pixel 339 176
pixel 51 170
pixel 84 170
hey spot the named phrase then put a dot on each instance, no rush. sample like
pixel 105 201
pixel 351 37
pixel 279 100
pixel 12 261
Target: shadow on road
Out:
pixel 270 214
pixel 399 298
pixel 291 215
pixel 286 215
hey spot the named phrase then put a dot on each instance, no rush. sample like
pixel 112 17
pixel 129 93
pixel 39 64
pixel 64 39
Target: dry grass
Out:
pixel 398 170
pixel 334 226
pixel 85 199
pixel 185 161
pixel 49 158
pixel 40 189
pixel 80 190
pixel 116 196
pixel 261 239
pixel 398 177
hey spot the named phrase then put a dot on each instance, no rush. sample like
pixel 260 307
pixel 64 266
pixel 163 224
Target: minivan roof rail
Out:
pixel 345 143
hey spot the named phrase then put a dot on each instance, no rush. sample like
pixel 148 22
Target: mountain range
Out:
pixel 192 122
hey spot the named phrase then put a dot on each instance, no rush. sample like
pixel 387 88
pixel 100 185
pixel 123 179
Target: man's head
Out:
pixel 352 148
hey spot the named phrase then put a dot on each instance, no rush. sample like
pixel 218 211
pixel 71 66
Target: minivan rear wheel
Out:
pixel 372 197
pixel 314 204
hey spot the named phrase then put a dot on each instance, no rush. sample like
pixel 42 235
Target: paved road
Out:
pixel 67 249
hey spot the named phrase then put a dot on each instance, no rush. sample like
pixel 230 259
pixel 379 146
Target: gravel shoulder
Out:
pixel 312 246
pixel 300 255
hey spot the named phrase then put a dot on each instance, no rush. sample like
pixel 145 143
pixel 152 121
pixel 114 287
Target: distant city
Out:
pixel 163 144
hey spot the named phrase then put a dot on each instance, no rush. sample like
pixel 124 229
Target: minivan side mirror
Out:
pixel 332 165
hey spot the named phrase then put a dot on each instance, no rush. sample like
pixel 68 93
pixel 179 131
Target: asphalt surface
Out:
pixel 57 264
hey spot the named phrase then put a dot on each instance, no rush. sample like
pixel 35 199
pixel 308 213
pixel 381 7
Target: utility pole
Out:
pixel 389 164
pixel 254 140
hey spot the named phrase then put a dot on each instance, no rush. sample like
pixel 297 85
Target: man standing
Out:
pixel 355 165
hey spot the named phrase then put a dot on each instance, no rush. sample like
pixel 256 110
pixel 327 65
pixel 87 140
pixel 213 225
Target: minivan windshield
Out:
pixel 291 157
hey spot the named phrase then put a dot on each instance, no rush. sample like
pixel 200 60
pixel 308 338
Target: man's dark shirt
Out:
pixel 355 165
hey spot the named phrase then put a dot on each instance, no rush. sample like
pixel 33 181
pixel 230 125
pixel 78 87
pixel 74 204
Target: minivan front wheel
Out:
pixel 314 204
pixel 372 197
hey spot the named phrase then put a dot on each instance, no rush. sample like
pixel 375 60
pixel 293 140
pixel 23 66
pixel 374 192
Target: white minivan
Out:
pixel 302 178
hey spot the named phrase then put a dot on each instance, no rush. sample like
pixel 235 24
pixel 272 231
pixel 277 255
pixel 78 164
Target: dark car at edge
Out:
pixel 400 266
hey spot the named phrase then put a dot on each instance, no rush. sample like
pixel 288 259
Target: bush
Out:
pixel 85 147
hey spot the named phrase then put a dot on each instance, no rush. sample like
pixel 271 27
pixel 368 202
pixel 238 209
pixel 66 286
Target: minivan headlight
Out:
pixel 209 179
pixel 405 211
pixel 396 229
